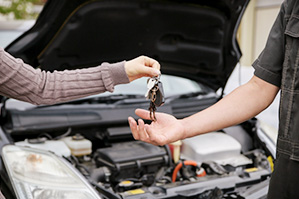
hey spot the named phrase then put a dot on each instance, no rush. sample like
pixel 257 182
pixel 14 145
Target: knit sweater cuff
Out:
pixel 118 73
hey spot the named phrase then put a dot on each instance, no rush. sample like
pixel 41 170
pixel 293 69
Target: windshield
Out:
pixel 172 85
pixel 7 36
pixel 10 30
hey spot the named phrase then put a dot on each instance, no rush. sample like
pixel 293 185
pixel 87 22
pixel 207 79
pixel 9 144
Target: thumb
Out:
pixel 144 114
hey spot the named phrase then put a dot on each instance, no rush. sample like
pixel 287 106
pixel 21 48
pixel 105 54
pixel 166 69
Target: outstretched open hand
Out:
pixel 165 130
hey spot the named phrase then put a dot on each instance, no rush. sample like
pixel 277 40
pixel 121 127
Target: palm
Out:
pixel 165 130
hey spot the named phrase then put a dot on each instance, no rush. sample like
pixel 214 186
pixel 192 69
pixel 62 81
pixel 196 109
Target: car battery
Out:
pixel 134 158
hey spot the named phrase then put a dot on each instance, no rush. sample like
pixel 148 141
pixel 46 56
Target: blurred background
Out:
pixel 255 27
pixel 16 16
pixel 20 9
pixel 252 35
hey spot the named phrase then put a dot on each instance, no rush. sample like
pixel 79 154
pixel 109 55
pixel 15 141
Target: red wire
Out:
pixel 179 166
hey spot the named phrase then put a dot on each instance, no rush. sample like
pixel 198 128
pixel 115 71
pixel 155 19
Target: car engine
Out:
pixel 222 164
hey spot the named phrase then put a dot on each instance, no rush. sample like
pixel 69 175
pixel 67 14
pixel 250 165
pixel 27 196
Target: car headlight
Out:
pixel 38 174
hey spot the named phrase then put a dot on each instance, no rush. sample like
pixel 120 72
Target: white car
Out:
pixel 84 148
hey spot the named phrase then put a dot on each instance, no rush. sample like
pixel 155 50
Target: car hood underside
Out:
pixel 193 39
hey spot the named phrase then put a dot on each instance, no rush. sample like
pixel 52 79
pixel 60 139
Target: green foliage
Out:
pixel 21 9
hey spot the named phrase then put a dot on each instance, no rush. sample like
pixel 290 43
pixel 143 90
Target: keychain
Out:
pixel 155 94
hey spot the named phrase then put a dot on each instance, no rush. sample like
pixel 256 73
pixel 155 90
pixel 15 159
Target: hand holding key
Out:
pixel 141 66
pixel 156 95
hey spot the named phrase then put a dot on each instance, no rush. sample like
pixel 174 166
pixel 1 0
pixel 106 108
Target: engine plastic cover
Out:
pixel 132 158
pixel 210 147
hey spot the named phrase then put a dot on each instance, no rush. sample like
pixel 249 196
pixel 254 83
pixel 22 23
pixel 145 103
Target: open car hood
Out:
pixel 193 39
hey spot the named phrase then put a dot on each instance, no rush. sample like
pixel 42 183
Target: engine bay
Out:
pixel 223 164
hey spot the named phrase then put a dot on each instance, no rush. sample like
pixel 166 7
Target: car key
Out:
pixel 156 95
pixel 151 94
pixel 150 84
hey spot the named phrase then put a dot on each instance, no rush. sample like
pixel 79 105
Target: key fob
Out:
pixel 159 95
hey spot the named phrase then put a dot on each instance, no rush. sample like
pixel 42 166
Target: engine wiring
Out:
pixel 186 163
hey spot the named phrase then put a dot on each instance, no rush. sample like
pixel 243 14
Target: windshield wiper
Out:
pixel 107 99
pixel 186 95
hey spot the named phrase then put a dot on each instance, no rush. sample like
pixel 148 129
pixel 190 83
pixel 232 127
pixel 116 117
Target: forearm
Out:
pixel 242 104
pixel 20 81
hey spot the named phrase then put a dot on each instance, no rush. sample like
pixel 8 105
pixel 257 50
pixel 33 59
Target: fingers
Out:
pixel 144 114
pixel 142 66
pixel 151 72
pixel 138 131
pixel 151 135
pixel 142 132
pixel 134 128
pixel 152 66
pixel 151 62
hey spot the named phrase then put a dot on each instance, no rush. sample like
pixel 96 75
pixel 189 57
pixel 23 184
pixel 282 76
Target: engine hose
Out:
pixel 179 166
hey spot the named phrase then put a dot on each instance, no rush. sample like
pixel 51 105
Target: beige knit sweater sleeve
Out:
pixel 20 81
